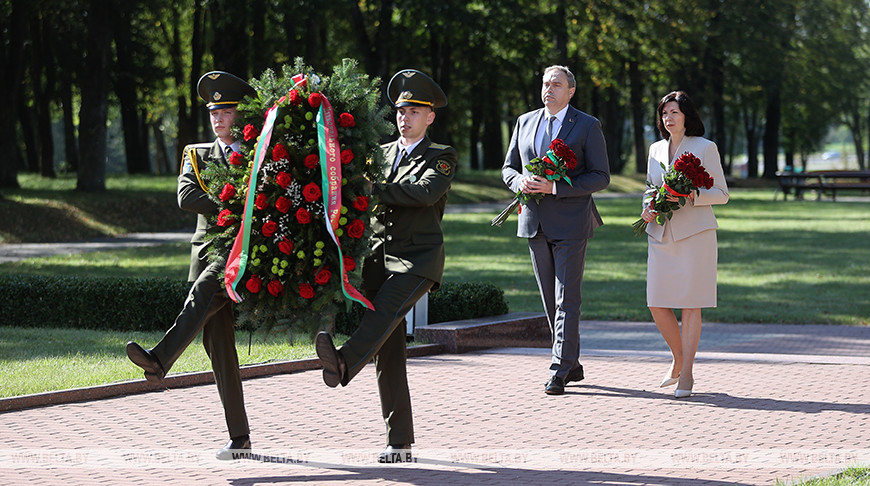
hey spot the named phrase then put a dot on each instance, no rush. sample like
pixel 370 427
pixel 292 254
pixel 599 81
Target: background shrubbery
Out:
pixel 151 304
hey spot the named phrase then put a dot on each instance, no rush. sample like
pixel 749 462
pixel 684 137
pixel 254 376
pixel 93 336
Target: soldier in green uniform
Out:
pixel 407 258
pixel 207 307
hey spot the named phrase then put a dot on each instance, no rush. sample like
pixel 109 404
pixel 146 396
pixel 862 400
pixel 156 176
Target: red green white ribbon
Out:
pixel 330 170
pixel 673 192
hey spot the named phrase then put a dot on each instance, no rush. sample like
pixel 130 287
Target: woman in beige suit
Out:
pixel 683 253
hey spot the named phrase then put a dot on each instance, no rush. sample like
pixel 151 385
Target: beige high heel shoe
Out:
pixel 668 381
pixel 684 393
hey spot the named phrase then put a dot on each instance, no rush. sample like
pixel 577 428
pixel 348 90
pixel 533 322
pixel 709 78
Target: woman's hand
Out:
pixel 648 215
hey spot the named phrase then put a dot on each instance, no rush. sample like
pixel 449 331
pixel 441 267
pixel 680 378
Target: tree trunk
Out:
pixel 95 94
pixel 26 118
pixel 126 89
pixel 857 135
pixel 70 141
pixel 11 58
pixel 611 124
pixel 439 45
pixel 493 144
pixel 161 161
pixel 636 97
pixel 773 116
pixel 42 81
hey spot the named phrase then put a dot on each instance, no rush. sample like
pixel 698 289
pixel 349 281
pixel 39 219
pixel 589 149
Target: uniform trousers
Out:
pixel 208 308
pixel 381 336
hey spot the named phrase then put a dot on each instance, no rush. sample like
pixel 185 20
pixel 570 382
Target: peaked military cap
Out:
pixel 410 87
pixel 222 90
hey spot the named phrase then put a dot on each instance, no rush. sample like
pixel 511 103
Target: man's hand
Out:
pixel 533 184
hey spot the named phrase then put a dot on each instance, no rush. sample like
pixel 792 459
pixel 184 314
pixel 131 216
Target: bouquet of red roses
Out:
pixel 685 176
pixel 554 166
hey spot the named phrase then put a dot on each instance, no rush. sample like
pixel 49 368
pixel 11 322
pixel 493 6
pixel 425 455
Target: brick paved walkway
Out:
pixel 768 405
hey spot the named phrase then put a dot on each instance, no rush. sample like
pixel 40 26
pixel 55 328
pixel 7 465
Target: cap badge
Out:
pixel 214 76
pixel 405 95
pixel 408 74
pixel 216 96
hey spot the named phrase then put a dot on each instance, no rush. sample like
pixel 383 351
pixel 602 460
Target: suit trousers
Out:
pixel 558 266
pixel 381 336
pixel 208 308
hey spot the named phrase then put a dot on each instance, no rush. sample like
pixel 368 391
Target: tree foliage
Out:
pixel 769 76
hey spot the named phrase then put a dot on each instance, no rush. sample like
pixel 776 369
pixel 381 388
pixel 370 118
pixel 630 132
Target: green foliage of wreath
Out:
pixel 293 281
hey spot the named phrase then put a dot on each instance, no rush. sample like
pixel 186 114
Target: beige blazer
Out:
pixel 696 217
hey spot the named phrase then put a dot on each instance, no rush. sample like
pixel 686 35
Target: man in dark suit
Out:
pixel 407 258
pixel 208 307
pixel 560 223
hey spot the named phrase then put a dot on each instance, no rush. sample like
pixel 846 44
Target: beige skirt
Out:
pixel 682 274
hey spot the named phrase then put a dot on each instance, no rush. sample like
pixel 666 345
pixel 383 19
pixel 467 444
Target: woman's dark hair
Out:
pixel 694 125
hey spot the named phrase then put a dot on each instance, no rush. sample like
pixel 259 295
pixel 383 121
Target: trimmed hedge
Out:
pixel 151 304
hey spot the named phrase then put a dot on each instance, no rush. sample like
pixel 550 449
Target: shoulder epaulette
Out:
pixel 439 146
pixel 193 160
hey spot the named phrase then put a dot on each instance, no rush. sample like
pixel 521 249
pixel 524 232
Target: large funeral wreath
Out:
pixel 298 241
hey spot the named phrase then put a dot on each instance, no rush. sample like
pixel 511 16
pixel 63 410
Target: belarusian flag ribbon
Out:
pixel 238 259
pixel 551 157
pixel 330 170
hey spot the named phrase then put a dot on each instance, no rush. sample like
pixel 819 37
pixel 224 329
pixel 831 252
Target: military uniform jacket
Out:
pixel 193 197
pixel 407 233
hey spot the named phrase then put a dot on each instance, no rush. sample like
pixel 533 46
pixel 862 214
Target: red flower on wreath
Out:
pixel 285 246
pixel 322 277
pixel 346 156
pixel 227 192
pixel 314 99
pixel 361 203
pixel 303 216
pixel 280 152
pixel 283 179
pixel 269 228
pixel 283 204
pixel 237 159
pixel 306 291
pixel 311 161
pixel 250 132
pixel 346 120
pixel 356 228
pixel 311 192
pixel 275 288
pixel 226 218
pixel 261 201
pixel 294 97
pixel 254 284
pixel 349 263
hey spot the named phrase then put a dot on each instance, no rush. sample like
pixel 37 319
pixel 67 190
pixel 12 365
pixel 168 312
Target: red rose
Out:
pixel 250 132
pixel 275 288
pixel 279 152
pixel 227 192
pixel 294 97
pixel 346 156
pixel 269 228
pixel 346 120
pixel 283 204
pixel 283 179
pixel 311 192
pixel 261 201
pixel 356 228
pixel 226 218
pixel 349 263
pixel 314 100
pixel 306 291
pixel 322 277
pixel 237 159
pixel 303 216
pixel 254 284
pixel 285 246
pixel 361 203
pixel 311 161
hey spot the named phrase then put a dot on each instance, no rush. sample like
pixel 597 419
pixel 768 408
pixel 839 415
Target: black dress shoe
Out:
pixel 143 358
pixel 237 448
pixel 556 386
pixel 574 375
pixel 334 367
pixel 396 453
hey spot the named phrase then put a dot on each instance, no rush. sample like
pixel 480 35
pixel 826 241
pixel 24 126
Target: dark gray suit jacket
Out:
pixel 571 213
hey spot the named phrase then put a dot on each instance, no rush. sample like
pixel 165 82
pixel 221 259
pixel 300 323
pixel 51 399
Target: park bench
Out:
pixel 821 181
